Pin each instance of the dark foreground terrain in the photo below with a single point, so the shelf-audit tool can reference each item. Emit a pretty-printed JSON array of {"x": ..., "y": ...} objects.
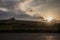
[
  {"x": 28, "y": 26},
  {"x": 29, "y": 36}
]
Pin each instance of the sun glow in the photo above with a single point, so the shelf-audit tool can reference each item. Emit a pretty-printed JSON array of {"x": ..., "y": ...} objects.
[{"x": 49, "y": 19}]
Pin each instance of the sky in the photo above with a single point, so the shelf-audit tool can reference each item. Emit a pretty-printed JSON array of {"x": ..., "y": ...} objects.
[{"x": 29, "y": 9}]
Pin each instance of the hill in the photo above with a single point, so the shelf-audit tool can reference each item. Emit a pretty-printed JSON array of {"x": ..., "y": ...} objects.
[{"x": 12, "y": 24}]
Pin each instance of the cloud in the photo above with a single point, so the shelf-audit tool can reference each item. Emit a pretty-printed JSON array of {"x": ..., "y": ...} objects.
[
  {"x": 41, "y": 7},
  {"x": 4, "y": 9},
  {"x": 28, "y": 5},
  {"x": 6, "y": 15},
  {"x": 24, "y": 7}
]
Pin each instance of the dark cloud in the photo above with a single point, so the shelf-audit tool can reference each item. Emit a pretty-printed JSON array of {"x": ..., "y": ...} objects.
[
  {"x": 7, "y": 4},
  {"x": 6, "y": 15},
  {"x": 24, "y": 17}
]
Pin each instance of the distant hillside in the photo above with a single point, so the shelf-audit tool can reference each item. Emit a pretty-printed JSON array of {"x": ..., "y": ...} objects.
[{"x": 12, "y": 24}]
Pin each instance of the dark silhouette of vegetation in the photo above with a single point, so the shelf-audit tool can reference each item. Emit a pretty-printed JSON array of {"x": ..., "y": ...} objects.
[{"x": 13, "y": 24}]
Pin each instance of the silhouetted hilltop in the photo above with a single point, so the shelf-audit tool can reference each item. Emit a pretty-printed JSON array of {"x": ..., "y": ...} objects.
[
  {"x": 13, "y": 20},
  {"x": 13, "y": 24}
]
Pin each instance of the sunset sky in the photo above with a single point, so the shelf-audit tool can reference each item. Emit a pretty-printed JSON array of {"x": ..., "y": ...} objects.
[{"x": 20, "y": 9}]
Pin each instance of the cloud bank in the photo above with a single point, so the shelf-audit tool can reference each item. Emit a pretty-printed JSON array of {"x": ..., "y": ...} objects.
[{"x": 32, "y": 8}]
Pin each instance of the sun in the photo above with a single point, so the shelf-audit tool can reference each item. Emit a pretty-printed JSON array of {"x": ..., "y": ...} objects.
[{"x": 49, "y": 19}]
